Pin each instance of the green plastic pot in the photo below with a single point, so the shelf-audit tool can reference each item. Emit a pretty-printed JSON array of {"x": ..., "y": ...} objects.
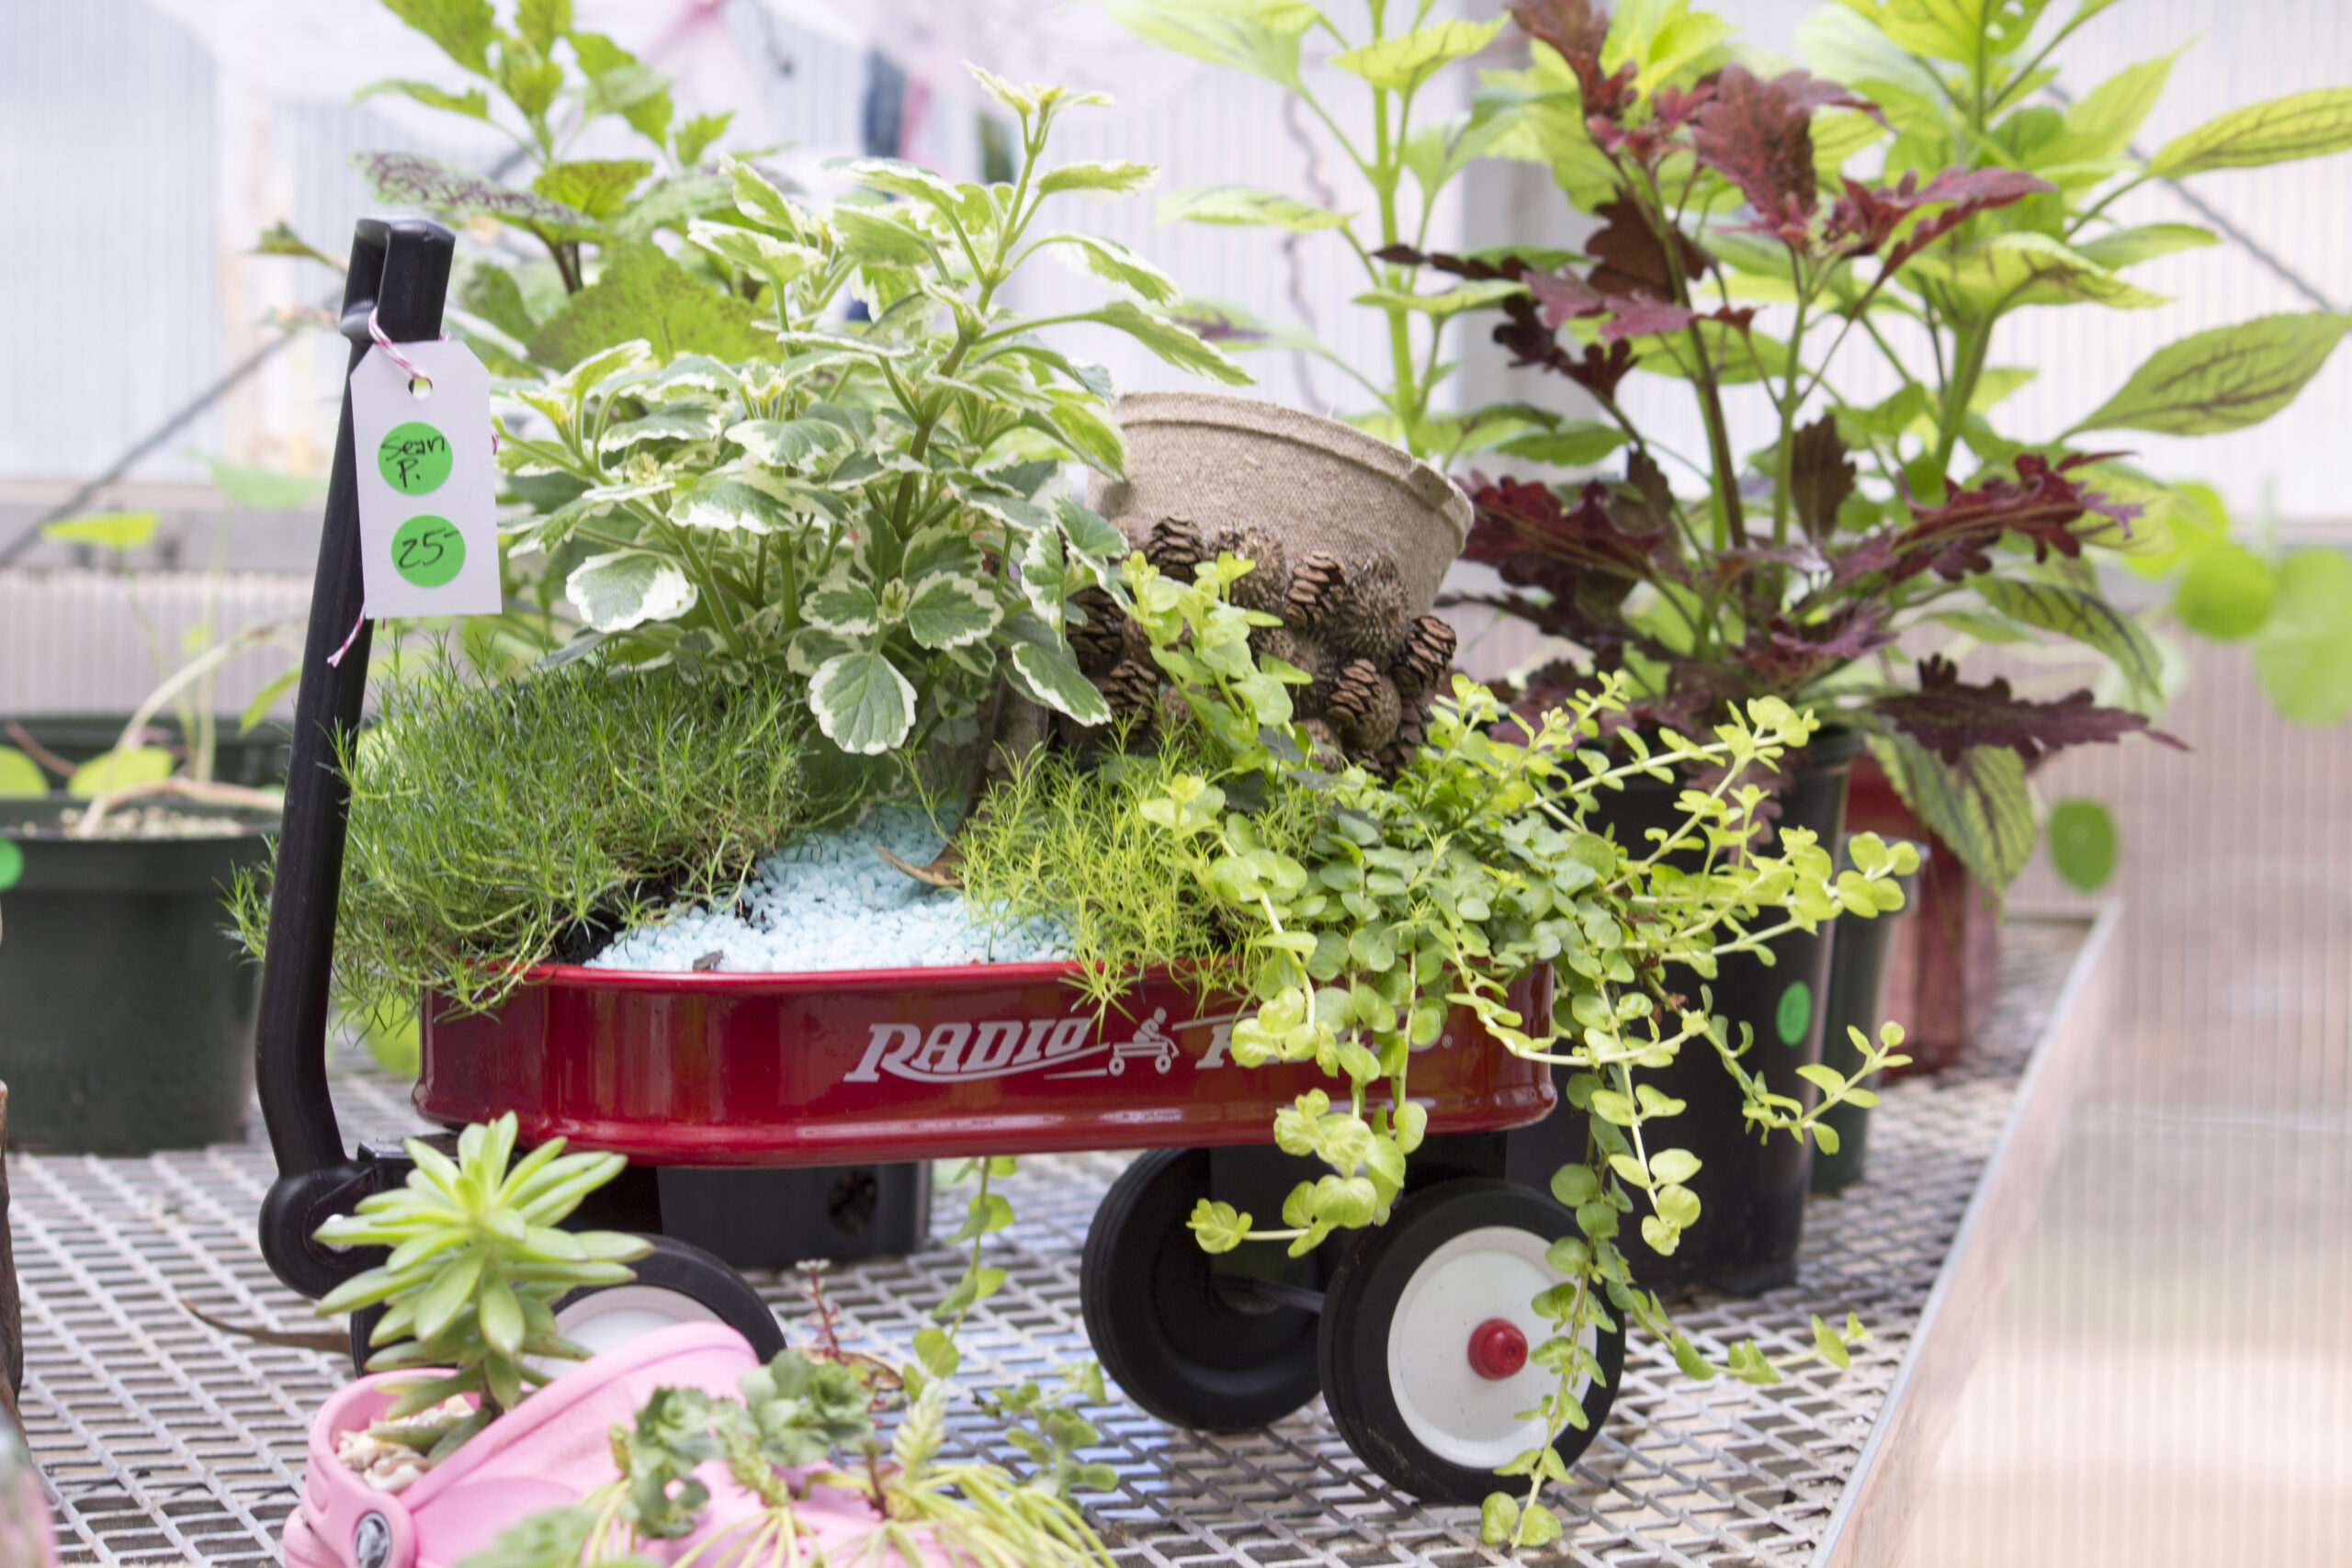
[{"x": 126, "y": 1008}]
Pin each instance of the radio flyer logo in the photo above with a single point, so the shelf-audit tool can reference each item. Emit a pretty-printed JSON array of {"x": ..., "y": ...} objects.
[{"x": 1053, "y": 1047}]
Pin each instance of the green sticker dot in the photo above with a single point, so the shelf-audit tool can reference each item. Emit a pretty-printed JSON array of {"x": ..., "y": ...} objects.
[
  {"x": 428, "y": 550},
  {"x": 414, "y": 457},
  {"x": 12, "y": 863},
  {"x": 1794, "y": 1014}
]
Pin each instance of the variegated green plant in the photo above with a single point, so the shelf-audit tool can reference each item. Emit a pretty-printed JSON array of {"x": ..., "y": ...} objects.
[
  {"x": 856, "y": 500},
  {"x": 476, "y": 1263}
]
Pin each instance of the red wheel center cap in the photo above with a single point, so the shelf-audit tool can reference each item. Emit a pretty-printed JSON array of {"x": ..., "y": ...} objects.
[{"x": 1497, "y": 1349}]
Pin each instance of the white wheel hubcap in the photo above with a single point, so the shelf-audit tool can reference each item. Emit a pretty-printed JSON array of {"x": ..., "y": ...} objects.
[
  {"x": 606, "y": 1320},
  {"x": 1493, "y": 1272}
]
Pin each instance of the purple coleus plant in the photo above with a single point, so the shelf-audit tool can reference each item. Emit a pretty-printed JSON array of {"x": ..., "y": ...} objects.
[{"x": 1795, "y": 574}]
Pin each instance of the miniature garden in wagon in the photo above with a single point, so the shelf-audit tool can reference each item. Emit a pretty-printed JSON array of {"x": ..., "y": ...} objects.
[{"x": 780, "y": 739}]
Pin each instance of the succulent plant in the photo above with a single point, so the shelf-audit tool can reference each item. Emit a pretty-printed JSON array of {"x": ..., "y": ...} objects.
[{"x": 476, "y": 1266}]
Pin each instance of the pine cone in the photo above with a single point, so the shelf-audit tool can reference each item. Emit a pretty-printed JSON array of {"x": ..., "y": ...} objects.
[
  {"x": 1426, "y": 656},
  {"x": 1175, "y": 548},
  {"x": 1100, "y": 641},
  {"x": 1315, "y": 585},
  {"x": 1132, "y": 686},
  {"x": 1135, "y": 640},
  {"x": 1368, "y": 621},
  {"x": 1328, "y": 754},
  {"x": 1364, "y": 706},
  {"x": 1260, "y": 588},
  {"x": 1412, "y": 731}
]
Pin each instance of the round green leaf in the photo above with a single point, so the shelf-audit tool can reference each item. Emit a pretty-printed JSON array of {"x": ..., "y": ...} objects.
[
  {"x": 20, "y": 774},
  {"x": 2083, "y": 843},
  {"x": 862, "y": 703},
  {"x": 2225, "y": 593},
  {"x": 120, "y": 769},
  {"x": 2303, "y": 657}
]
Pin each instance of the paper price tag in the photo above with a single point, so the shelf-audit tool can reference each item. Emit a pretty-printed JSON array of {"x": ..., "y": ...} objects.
[{"x": 428, "y": 522}]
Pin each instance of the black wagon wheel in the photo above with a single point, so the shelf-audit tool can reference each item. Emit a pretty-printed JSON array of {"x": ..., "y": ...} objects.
[
  {"x": 1190, "y": 1349},
  {"x": 1427, "y": 1326},
  {"x": 676, "y": 1282}
]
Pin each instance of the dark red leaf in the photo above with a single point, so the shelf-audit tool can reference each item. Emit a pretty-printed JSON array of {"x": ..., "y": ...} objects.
[
  {"x": 1866, "y": 218},
  {"x": 1577, "y": 29},
  {"x": 1632, "y": 257},
  {"x": 1513, "y": 267},
  {"x": 1525, "y": 532},
  {"x": 1820, "y": 477},
  {"x": 1565, "y": 296},
  {"x": 2041, "y": 503},
  {"x": 1948, "y": 716},
  {"x": 1758, "y": 135},
  {"x": 1643, "y": 315},
  {"x": 1788, "y": 655}
]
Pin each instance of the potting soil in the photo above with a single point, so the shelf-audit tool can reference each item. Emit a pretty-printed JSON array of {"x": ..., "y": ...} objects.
[{"x": 832, "y": 902}]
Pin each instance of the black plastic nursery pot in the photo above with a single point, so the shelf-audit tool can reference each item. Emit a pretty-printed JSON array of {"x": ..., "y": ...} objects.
[
  {"x": 1751, "y": 1189},
  {"x": 257, "y": 759},
  {"x": 1861, "y": 965},
  {"x": 126, "y": 1009}
]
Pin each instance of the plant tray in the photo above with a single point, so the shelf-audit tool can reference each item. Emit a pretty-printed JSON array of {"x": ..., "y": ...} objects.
[{"x": 846, "y": 1067}]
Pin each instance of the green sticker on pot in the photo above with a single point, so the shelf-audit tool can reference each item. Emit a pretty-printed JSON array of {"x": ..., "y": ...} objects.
[
  {"x": 12, "y": 863},
  {"x": 414, "y": 457},
  {"x": 428, "y": 550},
  {"x": 1795, "y": 1015}
]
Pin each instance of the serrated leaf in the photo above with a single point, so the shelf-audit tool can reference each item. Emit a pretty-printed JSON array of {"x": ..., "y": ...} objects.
[
  {"x": 2129, "y": 247},
  {"x": 410, "y": 179},
  {"x": 876, "y": 238},
  {"x": 677, "y": 423},
  {"x": 2023, "y": 267},
  {"x": 1469, "y": 295},
  {"x": 862, "y": 703},
  {"x": 622, "y": 589},
  {"x": 1078, "y": 417},
  {"x": 1114, "y": 263},
  {"x": 1099, "y": 179},
  {"x": 463, "y": 28},
  {"x": 843, "y": 606},
  {"x": 597, "y": 186},
  {"x": 1981, "y": 807},
  {"x": 787, "y": 443},
  {"x": 643, "y": 295},
  {"x": 721, "y": 503},
  {"x": 952, "y": 610},
  {"x": 1175, "y": 345},
  {"x": 1575, "y": 444},
  {"x": 1246, "y": 205},
  {"x": 1403, "y": 62},
  {"x": 674, "y": 200},
  {"x": 1050, "y": 677},
  {"x": 474, "y": 102},
  {"x": 2302, "y": 125},
  {"x": 762, "y": 254},
  {"x": 1256, "y": 36},
  {"x": 2088, "y": 618},
  {"x": 2223, "y": 379}
]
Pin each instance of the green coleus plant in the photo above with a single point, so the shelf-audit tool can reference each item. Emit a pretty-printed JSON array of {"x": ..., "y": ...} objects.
[
  {"x": 872, "y": 501},
  {"x": 478, "y": 1261},
  {"x": 1755, "y": 236},
  {"x": 1445, "y": 888}
]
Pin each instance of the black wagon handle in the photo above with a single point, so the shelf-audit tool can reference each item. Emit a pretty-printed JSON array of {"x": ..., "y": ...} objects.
[{"x": 399, "y": 274}]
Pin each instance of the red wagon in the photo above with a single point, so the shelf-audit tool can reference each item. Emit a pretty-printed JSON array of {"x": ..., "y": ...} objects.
[{"x": 1418, "y": 1332}]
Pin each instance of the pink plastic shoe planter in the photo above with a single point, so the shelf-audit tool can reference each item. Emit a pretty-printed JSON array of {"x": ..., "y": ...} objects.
[{"x": 549, "y": 1453}]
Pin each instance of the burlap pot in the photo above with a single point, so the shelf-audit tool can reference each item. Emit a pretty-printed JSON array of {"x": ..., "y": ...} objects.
[{"x": 1312, "y": 483}]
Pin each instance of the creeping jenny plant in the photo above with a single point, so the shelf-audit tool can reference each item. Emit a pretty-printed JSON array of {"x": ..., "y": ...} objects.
[{"x": 1465, "y": 873}]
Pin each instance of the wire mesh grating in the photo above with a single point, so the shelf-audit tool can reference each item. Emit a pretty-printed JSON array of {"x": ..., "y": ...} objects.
[{"x": 167, "y": 1443}]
